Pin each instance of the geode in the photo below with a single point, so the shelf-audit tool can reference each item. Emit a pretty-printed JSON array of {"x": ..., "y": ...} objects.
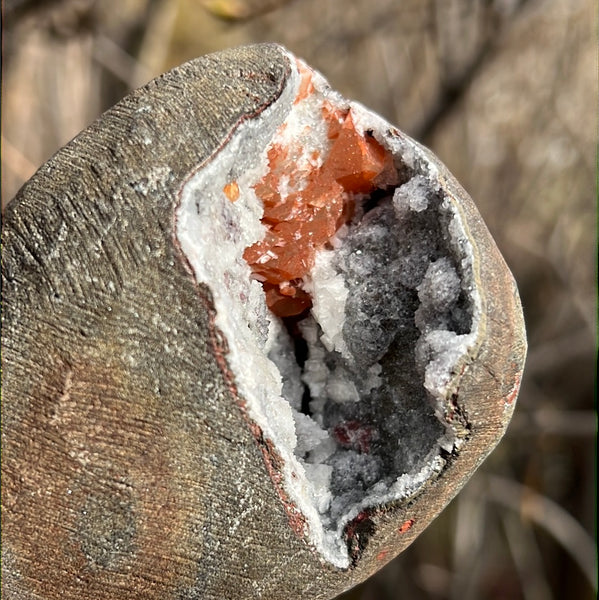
[{"x": 255, "y": 339}]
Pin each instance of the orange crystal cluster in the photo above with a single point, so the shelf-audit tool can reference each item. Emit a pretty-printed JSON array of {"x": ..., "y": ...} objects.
[{"x": 304, "y": 209}]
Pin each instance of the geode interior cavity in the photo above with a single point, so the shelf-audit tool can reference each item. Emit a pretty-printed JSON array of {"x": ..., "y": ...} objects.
[{"x": 343, "y": 282}]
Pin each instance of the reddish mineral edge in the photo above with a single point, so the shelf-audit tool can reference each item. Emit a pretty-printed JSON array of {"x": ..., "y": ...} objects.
[{"x": 303, "y": 221}]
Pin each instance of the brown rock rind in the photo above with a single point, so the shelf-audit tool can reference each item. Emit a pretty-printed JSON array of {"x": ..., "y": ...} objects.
[{"x": 129, "y": 470}]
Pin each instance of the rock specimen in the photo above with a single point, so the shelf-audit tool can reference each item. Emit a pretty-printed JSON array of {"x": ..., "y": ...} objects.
[{"x": 255, "y": 339}]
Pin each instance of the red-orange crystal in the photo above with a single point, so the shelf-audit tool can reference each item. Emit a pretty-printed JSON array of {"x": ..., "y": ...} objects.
[
  {"x": 313, "y": 205},
  {"x": 231, "y": 191},
  {"x": 306, "y": 86}
]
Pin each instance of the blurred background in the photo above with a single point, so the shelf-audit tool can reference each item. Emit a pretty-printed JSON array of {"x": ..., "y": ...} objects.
[{"x": 505, "y": 93}]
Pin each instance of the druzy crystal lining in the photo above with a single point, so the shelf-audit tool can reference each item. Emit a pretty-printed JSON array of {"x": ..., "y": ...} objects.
[{"x": 342, "y": 282}]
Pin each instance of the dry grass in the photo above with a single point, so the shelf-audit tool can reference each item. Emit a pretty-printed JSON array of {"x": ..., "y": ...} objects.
[{"x": 504, "y": 91}]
